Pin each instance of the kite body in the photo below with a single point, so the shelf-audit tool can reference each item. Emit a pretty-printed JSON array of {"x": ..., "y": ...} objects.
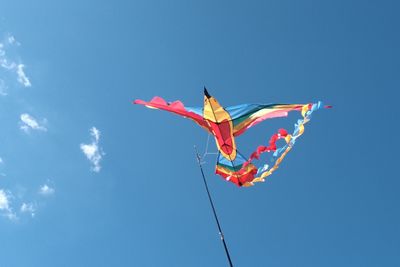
[{"x": 227, "y": 123}]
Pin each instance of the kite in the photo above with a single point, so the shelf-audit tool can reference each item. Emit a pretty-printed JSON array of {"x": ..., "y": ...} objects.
[{"x": 226, "y": 123}]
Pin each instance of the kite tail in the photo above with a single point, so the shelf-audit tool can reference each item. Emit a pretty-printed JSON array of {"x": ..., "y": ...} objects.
[{"x": 281, "y": 152}]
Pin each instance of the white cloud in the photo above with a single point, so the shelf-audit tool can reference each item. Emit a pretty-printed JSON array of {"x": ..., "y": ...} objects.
[
  {"x": 5, "y": 208},
  {"x": 22, "y": 77},
  {"x": 2, "y": 163},
  {"x": 92, "y": 151},
  {"x": 4, "y": 60},
  {"x": 3, "y": 88},
  {"x": 11, "y": 215},
  {"x": 8, "y": 65},
  {"x": 11, "y": 40},
  {"x": 30, "y": 123},
  {"x": 2, "y": 52},
  {"x": 10, "y": 61},
  {"x": 21, "y": 206},
  {"x": 95, "y": 133},
  {"x": 4, "y": 203},
  {"x": 46, "y": 190},
  {"x": 28, "y": 208}
]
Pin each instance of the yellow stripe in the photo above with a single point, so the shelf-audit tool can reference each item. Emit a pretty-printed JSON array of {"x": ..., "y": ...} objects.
[
  {"x": 227, "y": 171},
  {"x": 214, "y": 112}
]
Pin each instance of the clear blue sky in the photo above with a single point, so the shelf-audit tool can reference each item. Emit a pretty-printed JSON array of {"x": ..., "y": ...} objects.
[{"x": 334, "y": 201}]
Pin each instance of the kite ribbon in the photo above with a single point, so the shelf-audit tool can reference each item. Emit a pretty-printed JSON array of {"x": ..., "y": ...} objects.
[{"x": 290, "y": 140}]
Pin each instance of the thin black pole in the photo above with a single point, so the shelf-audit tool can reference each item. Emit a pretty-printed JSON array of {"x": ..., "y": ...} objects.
[{"x": 221, "y": 234}]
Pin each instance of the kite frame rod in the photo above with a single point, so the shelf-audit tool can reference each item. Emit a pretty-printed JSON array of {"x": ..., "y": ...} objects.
[{"x": 221, "y": 234}]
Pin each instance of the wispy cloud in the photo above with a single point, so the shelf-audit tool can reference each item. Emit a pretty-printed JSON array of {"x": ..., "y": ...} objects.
[
  {"x": 11, "y": 40},
  {"x": 10, "y": 63},
  {"x": 2, "y": 174},
  {"x": 28, "y": 123},
  {"x": 92, "y": 151},
  {"x": 28, "y": 208},
  {"x": 14, "y": 205},
  {"x": 5, "y": 208},
  {"x": 4, "y": 204},
  {"x": 22, "y": 77},
  {"x": 3, "y": 88},
  {"x": 5, "y": 62},
  {"x": 46, "y": 190}
]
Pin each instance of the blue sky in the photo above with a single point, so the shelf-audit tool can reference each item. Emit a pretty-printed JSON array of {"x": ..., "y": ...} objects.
[{"x": 70, "y": 69}]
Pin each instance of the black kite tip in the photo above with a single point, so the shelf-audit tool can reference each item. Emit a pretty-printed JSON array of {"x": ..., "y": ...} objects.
[{"x": 206, "y": 92}]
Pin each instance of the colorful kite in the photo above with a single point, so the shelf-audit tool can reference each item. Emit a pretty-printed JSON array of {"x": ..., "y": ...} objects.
[{"x": 227, "y": 123}]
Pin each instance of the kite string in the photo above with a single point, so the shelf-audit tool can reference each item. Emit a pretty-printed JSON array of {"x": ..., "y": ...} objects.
[
  {"x": 206, "y": 153},
  {"x": 208, "y": 140},
  {"x": 221, "y": 234}
]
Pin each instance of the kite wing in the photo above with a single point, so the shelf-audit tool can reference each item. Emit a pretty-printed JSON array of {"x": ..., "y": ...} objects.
[
  {"x": 246, "y": 116},
  {"x": 176, "y": 107}
]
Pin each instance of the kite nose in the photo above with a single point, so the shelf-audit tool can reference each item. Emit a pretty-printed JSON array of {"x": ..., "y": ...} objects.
[{"x": 206, "y": 92}]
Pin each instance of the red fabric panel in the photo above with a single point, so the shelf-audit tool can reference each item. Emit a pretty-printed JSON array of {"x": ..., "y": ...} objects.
[{"x": 222, "y": 133}]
